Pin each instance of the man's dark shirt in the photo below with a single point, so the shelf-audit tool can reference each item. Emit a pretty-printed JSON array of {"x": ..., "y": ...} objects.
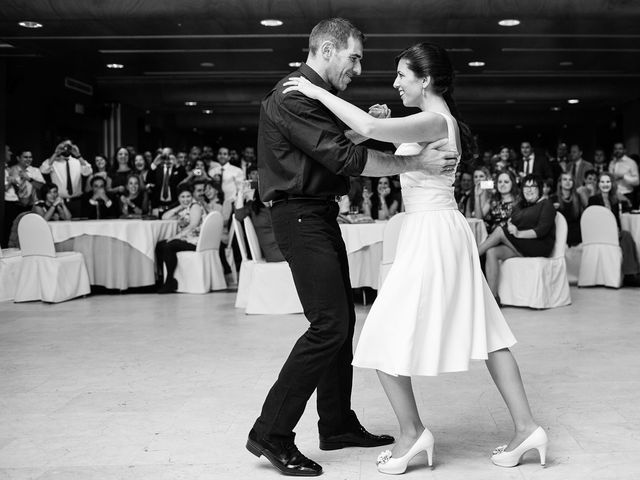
[{"x": 302, "y": 150}]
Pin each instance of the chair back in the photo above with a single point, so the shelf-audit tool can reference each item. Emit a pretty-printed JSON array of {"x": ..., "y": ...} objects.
[
  {"x": 210, "y": 232},
  {"x": 238, "y": 231},
  {"x": 35, "y": 236},
  {"x": 252, "y": 238},
  {"x": 598, "y": 226},
  {"x": 390, "y": 238},
  {"x": 562, "y": 230}
]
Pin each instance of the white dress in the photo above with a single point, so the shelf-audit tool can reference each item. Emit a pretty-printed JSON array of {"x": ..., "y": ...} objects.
[{"x": 434, "y": 312}]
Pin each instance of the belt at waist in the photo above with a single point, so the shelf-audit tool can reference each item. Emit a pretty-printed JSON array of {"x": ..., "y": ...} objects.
[{"x": 302, "y": 198}]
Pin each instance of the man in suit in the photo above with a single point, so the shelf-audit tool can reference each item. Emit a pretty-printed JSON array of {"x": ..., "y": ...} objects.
[
  {"x": 532, "y": 163},
  {"x": 578, "y": 165},
  {"x": 167, "y": 175}
]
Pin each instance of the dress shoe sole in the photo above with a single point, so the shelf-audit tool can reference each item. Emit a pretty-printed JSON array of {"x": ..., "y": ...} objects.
[
  {"x": 258, "y": 451},
  {"x": 338, "y": 445}
]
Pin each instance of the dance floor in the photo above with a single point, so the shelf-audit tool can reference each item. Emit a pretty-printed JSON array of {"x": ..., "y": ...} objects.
[{"x": 167, "y": 387}]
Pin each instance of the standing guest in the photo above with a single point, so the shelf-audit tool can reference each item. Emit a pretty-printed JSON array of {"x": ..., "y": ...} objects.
[
  {"x": 165, "y": 177},
  {"x": 99, "y": 170},
  {"x": 194, "y": 153},
  {"x": 52, "y": 207},
  {"x": 533, "y": 164},
  {"x": 607, "y": 196},
  {"x": 66, "y": 168},
  {"x": 382, "y": 204},
  {"x": 247, "y": 159},
  {"x": 529, "y": 233},
  {"x": 25, "y": 159},
  {"x": 600, "y": 161},
  {"x": 305, "y": 160},
  {"x": 98, "y": 204},
  {"x": 589, "y": 187},
  {"x": 481, "y": 193},
  {"x": 135, "y": 200},
  {"x": 121, "y": 171},
  {"x": 199, "y": 172},
  {"x": 207, "y": 155},
  {"x": 578, "y": 165},
  {"x": 181, "y": 159},
  {"x": 504, "y": 198},
  {"x": 625, "y": 172},
  {"x": 234, "y": 158},
  {"x": 148, "y": 157},
  {"x": 13, "y": 207},
  {"x": 230, "y": 175},
  {"x": 561, "y": 163},
  {"x": 189, "y": 214},
  {"x": 141, "y": 168},
  {"x": 567, "y": 201},
  {"x": 504, "y": 161}
]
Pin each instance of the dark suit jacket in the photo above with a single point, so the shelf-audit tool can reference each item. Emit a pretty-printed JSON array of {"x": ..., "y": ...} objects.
[
  {"x": 101, "y": 210},
  {"x": 177, "y": 174},
  {"x": 541, "y": 166}
]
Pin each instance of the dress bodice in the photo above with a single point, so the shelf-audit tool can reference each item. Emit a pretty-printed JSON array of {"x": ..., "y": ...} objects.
[{"x": 422, "y": 192}]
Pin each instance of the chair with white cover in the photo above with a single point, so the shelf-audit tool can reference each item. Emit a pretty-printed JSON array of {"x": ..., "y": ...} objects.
[
  {"x": 537, "y": 282},
  {"x": 200, "y": 271},
  {"x": 10, "y": 261},
  {"x": 45, "y": 274},
  {"x": 264, "y": 287},
  {"x": 389, "y": 246},
  {"x": 601, "y": 262}
]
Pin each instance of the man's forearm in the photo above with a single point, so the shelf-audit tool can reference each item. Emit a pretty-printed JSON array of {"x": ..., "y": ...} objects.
[{"x": 383, "y": 164}]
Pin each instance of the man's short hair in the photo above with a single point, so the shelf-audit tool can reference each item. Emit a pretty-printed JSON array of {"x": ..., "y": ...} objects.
[
  {"x": 590, "y": 172},
  {"x": 336, "y": 30}
]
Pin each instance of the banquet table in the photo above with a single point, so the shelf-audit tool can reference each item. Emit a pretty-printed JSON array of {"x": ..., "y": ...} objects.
[
  {"x": 631, "y": 223},
  {"x": 119, "y": 254},
  {"x": 363, "y": 242}
]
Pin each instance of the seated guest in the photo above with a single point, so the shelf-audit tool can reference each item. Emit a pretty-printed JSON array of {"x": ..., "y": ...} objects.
[
  {"x": 567, "y": 201},
  {"x": 481, "y": 196},
  {"x": 607, "y": 196},
  {"x": 504, "y": 161},
  {"x": 141, "y": 168},
  {"x": 97, "y": 203},
  {"x": 466, "y": 197},
  {"x": 122, "y": 169},
  {"x": 248, "y": 204},
  {"x": 189, "y": 214},
  {"x": 51, "y": 207},
  {"x": 99, "y": 170},
  {"x": 529, "y": 233},
  {"x": 213, "y": 198},
  {"x": 135, "y": 201},
  {"x": 352, "y": 202},
  {"x": 504, "y": 198},
  {"x": 588, "y": 189},
  {"x": 382, "y": 204},
  {"x": 547, "y": 188}
]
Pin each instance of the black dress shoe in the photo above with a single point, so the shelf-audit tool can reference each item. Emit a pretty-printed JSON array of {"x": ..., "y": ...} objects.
[
  {"x": 284, "y": 455},
  {"x": 170, "y": 286},
  {"x": 356, "y": 437}
]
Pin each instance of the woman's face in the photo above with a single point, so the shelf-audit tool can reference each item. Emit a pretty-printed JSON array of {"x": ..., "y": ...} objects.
[
  {"x": 605, "y": 184},
  {"x": 210, "y": 192},
  {"x": 52, "y": 195},
  {"x": 185, "y": 198},
  {"x": 408, "y": 85},
  {"x": 133, "y": 185},
  {"x": 566, "y": 182},
  {"x": 139, "y": 163},
  {"x": 200, "y": 165},
  {"x": 253, "y": 176},
  {"x": 591, "y": 180},
  {"x": 123, "y": 156},
  {"x": 383, "y": 185},
  {"x": 479, "y": 176},
  {"x": 504, "y": 184},
  {"x": 504, "y": 154},
  {"x": 101, "y": 162},
  {"x": 531, "y": 192}
]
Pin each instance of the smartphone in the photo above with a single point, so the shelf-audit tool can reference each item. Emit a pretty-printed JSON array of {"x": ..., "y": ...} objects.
[{"x": 486, "y": 184}]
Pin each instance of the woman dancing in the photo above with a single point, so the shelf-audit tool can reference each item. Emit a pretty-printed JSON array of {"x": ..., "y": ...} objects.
[{"x": 435, "y": 311}]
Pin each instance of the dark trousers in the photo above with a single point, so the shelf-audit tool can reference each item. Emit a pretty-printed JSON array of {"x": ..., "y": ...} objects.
[
  {"x": 309, "y": 238},
  {"x": 166, "y": 253}
]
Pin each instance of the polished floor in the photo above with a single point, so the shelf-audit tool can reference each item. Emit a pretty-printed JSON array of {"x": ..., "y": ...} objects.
[{"x": 167, "y": 387}]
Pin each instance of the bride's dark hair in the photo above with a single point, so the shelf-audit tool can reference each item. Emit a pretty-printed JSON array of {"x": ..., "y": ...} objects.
[{"x": 431, "y": 60}]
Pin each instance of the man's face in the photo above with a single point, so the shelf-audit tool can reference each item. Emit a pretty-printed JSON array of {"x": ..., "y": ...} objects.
[
  {"x": 233, "y": 155},
  {"x": 344, "y": 64},
  {"x": 576, "y": 153},
  {"x": 25, "y": 159},
  {"x": 466, "y": 182},
  {"x": 525, "y": 149},
  {"x": 194, "y": 153},
  {"x": 618, "y": 150},
  {"x": 181, "y": 158},
  {"x": 223, "y": 155},
  {"x": 207, "y": 152},
  {"x": 561, "y": 150},
  {"x": 249, "y": 154},
  {"x": 198, "y": 192},
  {"x": 598, "y": 156}
]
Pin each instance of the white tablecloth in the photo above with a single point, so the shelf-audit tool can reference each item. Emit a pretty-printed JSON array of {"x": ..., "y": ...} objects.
[
  {"x": 119, "y": 254},
  {"x": 10, "y": 261},
  {"x": 631, "y": 223}
]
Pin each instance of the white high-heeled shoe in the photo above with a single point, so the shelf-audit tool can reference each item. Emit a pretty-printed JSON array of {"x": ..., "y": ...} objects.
[
  {"x": 397, "y": 466},
  {"x": 537, "y": 440}
]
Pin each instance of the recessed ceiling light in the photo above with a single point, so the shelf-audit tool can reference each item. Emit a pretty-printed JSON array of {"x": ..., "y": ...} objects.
[
  {"x": 243, "y": 129},
  {"x": 30, "y": 24},
  {"x": 206, "y": 64},
  {"x": 207, "y": 111},
  {"x": 115, "y": 65},
  {"x": 555, "y": 109},
  {"x": 295, "y": 64},
  {"x": 271, "y": 22},
  {"x": 509, "y": 22},
  {"x": 476, "y": 64},
  {"x": 518, "y": 127},
  {"x": 191, "y": 104},
  {"x": 509, "y": 101},
  {"x": 566, "y": 64},
  {"x": 573, "y": 101}
]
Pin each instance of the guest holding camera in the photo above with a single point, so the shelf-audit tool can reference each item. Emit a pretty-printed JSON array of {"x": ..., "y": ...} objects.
[
  {"x": 135, "y": 201},
  {"x": 121, "y": 171},
  {"x": 67, "y": 167},
  {"x": 482, "y": 188},
  {"x": 51, "y": 207},
  {"x": 166, "y": 176},
  {"x": 589, "y": 187},
  {"x": 98, "y": 204}
]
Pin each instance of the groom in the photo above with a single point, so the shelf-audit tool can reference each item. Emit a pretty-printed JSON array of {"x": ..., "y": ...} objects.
[{"x": 304, "y": 162}]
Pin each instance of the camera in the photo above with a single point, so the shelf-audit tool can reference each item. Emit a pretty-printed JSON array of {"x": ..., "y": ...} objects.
[
  {"x": 66, "y": 150},
  {"x": 197, "y": 172},
  {"x": 486, "y": 184}
]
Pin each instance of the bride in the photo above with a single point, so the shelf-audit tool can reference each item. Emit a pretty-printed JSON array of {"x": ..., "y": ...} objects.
[{"x": 435, "y": 311}]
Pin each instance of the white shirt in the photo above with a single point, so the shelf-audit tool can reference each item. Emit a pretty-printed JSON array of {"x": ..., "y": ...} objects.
[
  {"x": 230, "y": 175},
  {"x": 10, "y": 194},
  {"x": 625, "y": 171},
  {"x": 528, "y": 164},
  {"x": 34, "y": 174},
  {"x": 58, "y": 171}
]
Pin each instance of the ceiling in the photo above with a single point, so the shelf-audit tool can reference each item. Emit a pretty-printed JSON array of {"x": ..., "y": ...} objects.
[{"x": 585, "y": 49}]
